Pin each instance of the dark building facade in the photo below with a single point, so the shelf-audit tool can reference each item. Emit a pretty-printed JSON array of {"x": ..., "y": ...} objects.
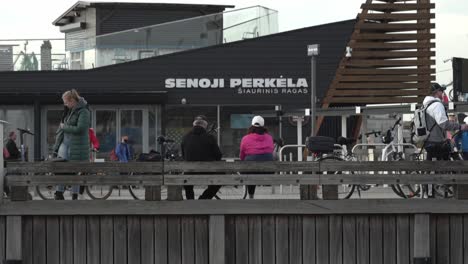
[{"x": 229, "y": 83}]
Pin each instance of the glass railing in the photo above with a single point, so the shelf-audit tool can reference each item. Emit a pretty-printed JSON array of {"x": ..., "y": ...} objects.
[{"x": 140, "y": 43}]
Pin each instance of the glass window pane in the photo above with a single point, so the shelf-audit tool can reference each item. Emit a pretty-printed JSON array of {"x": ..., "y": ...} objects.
[
  {"x": 152, "y": 129},
  {"x": 131, "y": 123},
  {"x": 106, "y": 131}
]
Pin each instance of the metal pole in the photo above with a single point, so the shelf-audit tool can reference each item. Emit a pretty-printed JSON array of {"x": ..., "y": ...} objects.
[
  {"x": 313, "y": 85},
  {"x": 313, "y": 51},
  {"x": 299, "y": 138},
  {"x": 2, "y": 168}
]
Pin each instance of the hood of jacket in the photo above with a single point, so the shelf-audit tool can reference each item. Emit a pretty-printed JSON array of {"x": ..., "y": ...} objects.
[
  {"x": 429, "y": 98},
  {"x": 198, "y": 130}
]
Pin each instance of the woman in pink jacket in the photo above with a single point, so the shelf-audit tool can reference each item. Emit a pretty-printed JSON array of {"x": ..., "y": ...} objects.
[{"x": 257, "y": 145}]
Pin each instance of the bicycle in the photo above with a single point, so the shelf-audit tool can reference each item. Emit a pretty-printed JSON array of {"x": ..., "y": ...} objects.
[{"x": 326, "y": 149}]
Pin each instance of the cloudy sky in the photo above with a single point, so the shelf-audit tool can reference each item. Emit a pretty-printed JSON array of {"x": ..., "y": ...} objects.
[{"x": 33, "y": 19}]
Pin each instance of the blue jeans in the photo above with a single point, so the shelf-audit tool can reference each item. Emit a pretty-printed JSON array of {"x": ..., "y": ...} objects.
[{"x": 63, "y": 153}]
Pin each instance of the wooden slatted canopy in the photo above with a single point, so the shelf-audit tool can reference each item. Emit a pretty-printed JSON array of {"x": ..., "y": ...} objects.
[{"x": 391, "y": 55}]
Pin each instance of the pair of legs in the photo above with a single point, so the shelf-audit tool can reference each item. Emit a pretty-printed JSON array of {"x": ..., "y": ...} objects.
[{"x": 208, "y": 194}]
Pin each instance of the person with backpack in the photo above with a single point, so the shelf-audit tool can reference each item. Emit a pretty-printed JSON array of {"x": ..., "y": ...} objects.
[{"x": 437, "y": 125}]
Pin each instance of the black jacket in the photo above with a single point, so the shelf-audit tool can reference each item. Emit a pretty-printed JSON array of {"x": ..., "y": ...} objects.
[
  {"x": 197, "y": 145},
  {"x": 13, "y": 150}
]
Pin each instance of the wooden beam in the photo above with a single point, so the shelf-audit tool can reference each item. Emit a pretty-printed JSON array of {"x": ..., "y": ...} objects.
[
  {"x": 32, "y": 180},
  {"x": 387, "y": 78},
  {"x": 395, "y": 17},
  {"x": 391, "y": 46},
  {"x": 217, "y": 239},
  {"x": 382, "y": 63},
  {"x": 374, "y": 100},
  {"x": 376, "y": 85},
  {"x": 392, "y": 37},
  {"x": 350, "y": 71},
  {"x": 422, "y": 239},
  {"x": 382, "y": 92},
  {"x": 14, "y": 237},
  {"x": 392, "y": 54},
  {"x": 384, "y": 27},
  {"x": 235, "y": 207},
  {"x": 396, "y": 7}
]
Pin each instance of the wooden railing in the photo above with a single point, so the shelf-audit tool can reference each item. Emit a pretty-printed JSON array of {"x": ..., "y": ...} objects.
[{"x": 174, "y": 174}]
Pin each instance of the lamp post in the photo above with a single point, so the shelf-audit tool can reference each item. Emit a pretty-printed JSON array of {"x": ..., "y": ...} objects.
[{"x": 313, "y": 51}]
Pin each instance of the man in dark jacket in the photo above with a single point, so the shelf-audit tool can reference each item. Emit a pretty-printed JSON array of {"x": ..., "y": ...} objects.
[
  {"x": 197, "y": 145},
  {"x": 15, "y": 154}
]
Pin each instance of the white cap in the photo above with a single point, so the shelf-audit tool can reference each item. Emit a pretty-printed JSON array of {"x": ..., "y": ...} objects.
[
  {"x": 258, "y": 121},
  {"x": 466, "y": 120}
]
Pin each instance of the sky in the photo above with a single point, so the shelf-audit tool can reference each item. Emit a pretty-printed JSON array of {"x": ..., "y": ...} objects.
[{"x": 21, "y": 19}]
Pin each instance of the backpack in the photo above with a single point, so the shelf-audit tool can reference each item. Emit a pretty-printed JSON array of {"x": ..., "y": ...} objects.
[
  {"x": 420, "y": 131},
  {"x": 113, "y": 156}
]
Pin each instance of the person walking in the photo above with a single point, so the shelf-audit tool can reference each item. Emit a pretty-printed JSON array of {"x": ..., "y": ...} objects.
[
  {"x": 72, "y": 137},
  {"x": 198, "y": 145},
  {"x": 438, "y": 123},
  {"x": 257, "y": 145},
  {"x": 123, "y": 150}
]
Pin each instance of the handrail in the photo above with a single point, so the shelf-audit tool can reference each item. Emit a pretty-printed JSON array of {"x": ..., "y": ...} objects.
[{"x": 280, "y": 152}]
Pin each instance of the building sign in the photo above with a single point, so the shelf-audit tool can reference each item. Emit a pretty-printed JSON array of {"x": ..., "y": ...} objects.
[{"x": 243, "y": 85}]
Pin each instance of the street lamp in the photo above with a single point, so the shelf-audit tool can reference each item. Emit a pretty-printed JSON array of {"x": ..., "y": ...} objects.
[{"x": 313, "y": 51}]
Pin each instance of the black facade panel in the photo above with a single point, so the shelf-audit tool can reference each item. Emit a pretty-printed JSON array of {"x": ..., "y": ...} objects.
[{"x": 281, "y": 55}]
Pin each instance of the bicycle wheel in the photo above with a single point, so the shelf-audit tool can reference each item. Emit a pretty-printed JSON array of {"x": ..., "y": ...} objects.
[
  {"x": 99, "y": 192},
  {"x": 232, "y": 192},
  {"x": 406, "y": 191},
  {"x": 45, "y": 192},
  {"x": 137, "y": 192},
  {"x": 345, "y": 191}
]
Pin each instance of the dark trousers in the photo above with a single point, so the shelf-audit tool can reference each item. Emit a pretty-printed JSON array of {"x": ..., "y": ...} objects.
[
  {"x": 439, "y": 150},
  {"x": 208, "y": 194}
]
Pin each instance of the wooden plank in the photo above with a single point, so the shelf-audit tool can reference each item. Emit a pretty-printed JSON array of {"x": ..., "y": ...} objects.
[
  {"x": 2, "y": 236},
  {"x": 18, "y": 238},
  {"x": 336, "y": 239},
  {"x": 396, "y": 17},
  {"x": 160, "y": 239},
  {"x": 66, "y": 239},
  {"x": 107, "y": 239},
  {"x": 392, "y": 54},
  {"x": 53, "y": 240},
  {"x": 134, "y": 239},
  {"x": 349, "y": 240},
  {"x": 394, "y": 27},
  {"x": 350, "y": 71},
  {"x": 174, "y": 250},
  {"x": 322, "y": 235},
  {"x": 153, "y": 193},
  {"x": 120, "y": 239},
  {"x": 255, "y": 239},
  {"x": 84, "y": 167},
  {"x": 216, "y": 239},
  {"x": 39, "y": 240},
  {"x": 381, "y": 92},
  {"x": 386, "y": 78},
  {"x": 362, "y": 240},
  {"x": 242, "y": 239},
  {"x": 443, "y": 239},
  {"x": 295, "y": 239},
  {"x": 93, "y": 240},
  {"x": 308, "y": 239},
  {"x": 174, "y": 192},
  {"x": 375, "y": 100},
  {"x": 268, "y": 239},
  {"x": 147, "y": 239},
  {"x": 202, "y": 240},
  {"x": 389, "y": 239},
  {"x": 249, "y": 166},
  {"x": 32, "y": 180},
  {"x": 376, "y": 239},
  {"x": 403, "y": 239},
  {"x": 390, "y": 46},
  {"x": 456, "y": 239},
  {"x": 389, "y": 63},
  {"x": 188, "y": 239},
  {"x": 392, "y": 37},
  {"x": 377, "y": 85},
  {"x": 79, "y": 239},
  {"x": 433, "y": 235},
  {"x": 281, "y": 238},
  {"x": 246, "y": 179},
  {"x": 396, "y": 7},
  {"x": 465, "y": 235}
]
